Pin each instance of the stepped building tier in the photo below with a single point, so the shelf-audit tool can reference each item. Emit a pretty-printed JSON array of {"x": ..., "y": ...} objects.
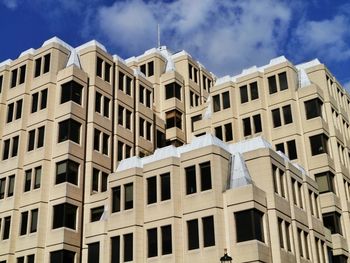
[{"x": 155, "y": 159}]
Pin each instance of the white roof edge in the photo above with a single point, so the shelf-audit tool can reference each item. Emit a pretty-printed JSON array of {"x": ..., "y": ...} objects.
[
  {"x": 308, "y": 64},
  {"x": 224, "y": 79},
  {"x": 91, "y": 43},
  {"x": 57, "y": 41},
  {"x": 117, "y": 58},
  {"x": 131, "y": 59},
  {"x": 28, "y": 51},
  {"x": 138, "y": 72},
  {"x": 181, "y": 53},
  {"x": 5, "y": 62},
  {"x": 249, "y": 145}
]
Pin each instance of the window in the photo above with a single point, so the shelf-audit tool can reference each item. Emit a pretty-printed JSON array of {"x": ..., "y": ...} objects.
[
  {"x": 195, "y": 119},
  {"x": 151, "y": 190},
  {"x": 244, "y": 94},
  {"x": 96, "y": 213},
  {"x": 128, "y": 247},
  {"x": 166, "y": 240},
  {"x": 332, "y": 222},
  {"x": 22, "y": 74},
  {"x": 218, "y": 132},
  {"x": 226, "y": 100},
  {"x": 103, "y": 67},
  {"x": 216, "y": 103},
  {"x": 28, "y": 179},
  {"x": 129, "y": 196},
  {"x": 64, "y": 215},
  {"x": 47, "y": 63},
  {"x": 141, "y": 94},
  {"x": 152, "y": 242},
  {"x": 228, "y": 132},
  {"x": 280, "y": 147},
  {"x": 14, "y": 113},
  {"x": 208, "y": 231},
  {"x": 282, "y": 77},
  {"x": 11, "y": 186},
  {"x": 67, "y": 171},
  {"x": 19, "y": 260},
  {"x": 43, "y": 102},
  {"x": 292, "y": 150},
  {"x": 97, "y": 136},
  {"x": 276, "y": 117},
  {"x": 94, "y": 252},
  {"x": 205, "y": 176},
  {"x": 338, "y": 259},
  {"x": 173, "y": 90},
  {"x": 190, "y": 180},
  {"x": 2, "y": 187},
  {"x": 165, "y": 190},
  {"x": 128, "y": 85},
  {"x": 13, "y": 78},
  {"x": 115, "y": 246},
  {"x": 40, "y": 138},
  {"x": 313, "y": 108},
  {"x": 287, "y": 114},
  {"x": 69, "y": 130},
  {"x": 62, "y": 256},
  {"x": 106, "y": 102},
  {"x": 284, "y": 234},
  {"x": 7, "y": 226},
  {"x": 38, "y": 65},
  {"x": 99, "y": 180},
  {"x": 24, "y": 223},
  {"x": 318, "y": 144},
  {"x": 272, "y": 84},
  {"x": 107, "y": 72},
  {"x": 192, "y": 234},
  {"x": 99, "y": 63},
  {"x": 71, "y": 91},
  {"x": 34, "y": 221},
  {"x": 173, "y": 119},
  {"x": 254, "y": 93},
  {"x": 98, "y": 102},
  {"x": 149, "y": 71},
  {"x": 6, "y": 149},
  {"x": 325, "y": 182},
  {"x": 116, "y": 199},
  {"x": 1, "y": 80},
  {"x": 249, "y": 225},
  {"x": 247, "y": 130},
  {"x": 257, "y": 123}
]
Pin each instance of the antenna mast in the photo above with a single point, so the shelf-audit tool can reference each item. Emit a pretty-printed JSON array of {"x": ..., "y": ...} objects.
[{"x": 158, "y": 29}]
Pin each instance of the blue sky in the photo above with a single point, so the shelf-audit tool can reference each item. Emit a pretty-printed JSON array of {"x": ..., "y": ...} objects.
[{"x": 224, "y": 35}]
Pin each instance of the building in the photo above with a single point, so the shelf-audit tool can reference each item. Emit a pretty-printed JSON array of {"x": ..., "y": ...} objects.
[{"x": 69, "y": 117}]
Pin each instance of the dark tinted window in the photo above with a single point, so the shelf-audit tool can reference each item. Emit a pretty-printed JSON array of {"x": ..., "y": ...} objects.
[
  {"x": 69, "y": 130},
  {"x": 318, "y": 144},
  {"x": 152, "y": 242},
  {"x": 19, "y": 104},
  {"x": 115, "y": 249},
  {"x": 257, "y": 123},
  {"x": 276, "y": 117},
  {"x": 35, "y": 99},
  {"x": 41, "y": 135},
  {"x": 34, "y": 221},
  {"x": 254, "y": 93},
  {"x": 166, "y": 240},
  {"x": 151, "y": 190},
  {"x": 22, "y": 74},
  {"x": 64, "y": 215},
  {"x": 244, "y": 93},
  {"x": 208, "y": 231},
  {"x": 205, "y": 176},
  {"x": 287, "y": 114},
  {"x": 226, "y": 100},
  {"x": 43, "y": 102},
  {"x": 283, "y": 81},
  {"x": 71, "y": 91},
  {"x": 272, "y": 84},
  {"x": 292, "y": 150},
  {"x": 191, "y": 180},
  {"x": 116, "y": 199},
  {"x": 62, "y": 256},
  {"x": 96, "y": 213},
  {"x": 13, "y": 78},
  {"x": 128, "y": 247},
  {"x": 165, "y": 186},
  {"x": 247, "y": 130},
  {"x": 193, "y": 236},
  {"x": 6, "y": 151},
  {"x": 24, "y": 223},
  {"x": 67, "y": 171},
  {"x": 47, "y": 59},
  {"x": 37, "y": 67},
  {"x": 31, "y": 139},
  {"x": 107, "y": 72},
  {"x": 216, "y": 103},
  {"x": 94, "y": 252},
  {"x": 7, "y": 225},
  {"x": 128, "y": 196},
  {"x": 228, "y": 132},
  {"x": 99, "y": 63},
  {"x": 98, "y": 101},
  {"x": 313, "y": 108},
  {"x": 332, "y": 222},
  {"x": 218, "y": 132},
  {"x": 249, "y": 225}
]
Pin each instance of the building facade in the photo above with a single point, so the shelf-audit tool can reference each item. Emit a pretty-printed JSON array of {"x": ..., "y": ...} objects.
[{"x": 70, "y": 116}]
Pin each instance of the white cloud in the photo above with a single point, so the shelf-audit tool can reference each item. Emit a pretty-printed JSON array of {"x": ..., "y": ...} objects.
[
  {"x": 226, "y": 36},
  {"x": 326, "y": 38},
  {"x": 11, "y": 4}
]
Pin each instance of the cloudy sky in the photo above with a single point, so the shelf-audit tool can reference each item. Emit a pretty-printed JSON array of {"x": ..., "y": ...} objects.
[{"x": 224, "y": 35}]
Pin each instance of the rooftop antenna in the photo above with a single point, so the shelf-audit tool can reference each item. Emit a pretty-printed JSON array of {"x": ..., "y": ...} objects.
[{"x": 158, "y": 30}]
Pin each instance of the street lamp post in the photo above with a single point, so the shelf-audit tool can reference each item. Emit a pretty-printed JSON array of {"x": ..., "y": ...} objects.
[{"x": 225, "y": 258}]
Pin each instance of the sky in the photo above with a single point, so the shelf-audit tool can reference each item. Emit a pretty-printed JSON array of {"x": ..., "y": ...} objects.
[{"x": 226, "y": 36}]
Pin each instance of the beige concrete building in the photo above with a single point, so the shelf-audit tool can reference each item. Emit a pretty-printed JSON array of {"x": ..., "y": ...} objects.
[{"x": 70, "y": 116}]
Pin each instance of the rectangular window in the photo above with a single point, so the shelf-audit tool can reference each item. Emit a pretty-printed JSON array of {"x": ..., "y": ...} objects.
[
  {"x": 19, "y": 104},
  {"x": 15, "y": 141},
  {"x": 205, "y": 176},
  {"x": 107, "y": 72},
  {"x": 272, "y": 84},
  {"x": 43, "y": 103},
  {"x": 254, "y": 93},
  {"x": 47, "y": 59},
  {"x": 173, "y": 90},
  {"x": 94, "y": 252},
  {"x": 37, "y": 177},
  {"x": 141, "y": 94},
  {"x": 19, "y": 260},
  {"x": 35, "y": 99},
  {"x": 6, "y": 151},
  {"x": 10, "y": 109},
  {"x": 67, "y": 171},
  {"x": 2, "y": 187},
  {"x": 7, "y": 225},
  {"x": 332, "y": 222},
  {"x": 192, "y": 234},
  {"x": 31, "y": 139},
  {"x": 98, "y": 102},
  {"x": 129, "y": 196},
  {"x": 71, "y": 91},
  {"x": 143, "y": 69},
  {"x": 24, "y": 223},
  {"x": 28, "y": 180},
  {"x": 318, "y": 144},
  {"x": 173, "y": 119},
  {"x": 97, "y": 135},
  {"x": 151, "y": 190},
  {"x": 116, "y": 199},
  {"x": 95, "y": 175},
  {"x": 226, "y": 100},
  {"x": 287, "y": 114},
  {"x": 166, "y": 240},
  {"x": 37, "y": 67},
  {"x": 257, "y": 123},
  {"x": 165, "y": 190},
  {"x": 282, "y": 77},
  {"x": 208, "y": 231},
  {"x": 105, "y": 144},
  {"x": 99, "y": 63},
  {"x": 34, "y": 221},
  {"x": 216, "y": 103},
  {"x": 106, "y": 107},
  {"x": 128, "y": 85},
  {"x": 292, "y": 150},
  {"x": 228, "y": 132},
  {"x": 121, "y": 81},
  {"x": 313, "y": 108},
  {"x": 249, "y": 225},
  {"x": 150, "y": 68},
  {"x": 247, "y": 130},
  {"x": 62, "y": 256},
  {"x": 11, "y": 186},
  {"x": 41, "y": 136},
  {"x": 128, "y": 119},
  {"x": 152, "y": 242},
  {"x": 244, "y": 93},
  {"x": 218, "y": 132},
  {"x": 115, "y": 249},
  {"x": 276, "y": 118},
  {"x": 22, "y": 74},
  {"x": 191, "y": 186},
  {"x": 69, "y": 130},
  {"x": 1, "y": 80},
  {"x": 148, "y": 98},
  {"x": 64, "y": 215},
  {"x": 128, "y": 247},
  {"x": 120, "y": 150},
  {"x": 13, "y": 78},
  {"x": 325, "y": 182},
  {"x": 96, "y": 213}
]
